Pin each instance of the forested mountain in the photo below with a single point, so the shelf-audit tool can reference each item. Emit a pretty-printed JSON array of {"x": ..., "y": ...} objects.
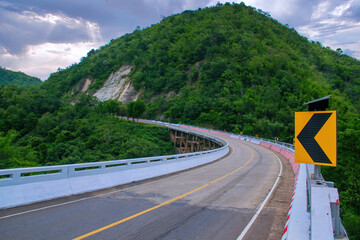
[
  {"x": 8, "y": 77},
  {"x": 233, "y": 67},
  {"x": 230, "y": 67}
]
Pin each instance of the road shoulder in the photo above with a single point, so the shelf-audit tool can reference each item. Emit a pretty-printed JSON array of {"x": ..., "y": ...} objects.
[{"x": 271, "y": 221}]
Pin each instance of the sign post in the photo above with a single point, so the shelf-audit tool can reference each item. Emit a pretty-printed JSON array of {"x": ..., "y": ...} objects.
[
  {"x": 316, "y": 144},
  {"x": 315, "y": 136}
]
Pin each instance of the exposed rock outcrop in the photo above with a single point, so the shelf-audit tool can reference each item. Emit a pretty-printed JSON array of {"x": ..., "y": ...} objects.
[
  {"x": 84, "y": 85},
  {"x": 119, "y": 87}
]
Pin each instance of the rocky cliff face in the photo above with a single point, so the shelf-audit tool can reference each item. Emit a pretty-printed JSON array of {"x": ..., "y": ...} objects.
[
  {"x": 118, "y": 87},
  {"x": 84, "y": 85}
]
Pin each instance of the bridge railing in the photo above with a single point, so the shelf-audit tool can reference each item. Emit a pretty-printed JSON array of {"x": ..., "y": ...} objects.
[
  {"x": 16, "y": 176},
  {"x": 314, "y": 212},
  {"x": 21, "y": 186}
]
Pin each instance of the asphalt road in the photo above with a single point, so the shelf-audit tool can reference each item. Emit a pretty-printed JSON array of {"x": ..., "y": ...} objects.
[{"x": 215, "y": 201}]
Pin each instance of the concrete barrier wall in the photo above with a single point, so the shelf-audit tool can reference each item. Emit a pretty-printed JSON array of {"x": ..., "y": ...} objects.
[
  {"x": 264, "y": 144},
  {"x": 298, "y": 220},
  {"x": 21, "y": 186},
  {"x": 18, "y": 189},
  {"x": 314, "y": 209},
  {"x": 297, "y": 225}
]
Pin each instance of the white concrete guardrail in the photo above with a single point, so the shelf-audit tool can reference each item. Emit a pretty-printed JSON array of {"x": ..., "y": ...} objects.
[
  {"x": 28, "y": 185},
  {"x": 314, "y": 211}
]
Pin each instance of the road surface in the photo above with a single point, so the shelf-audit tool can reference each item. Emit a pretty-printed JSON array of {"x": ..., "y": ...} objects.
[{"x": 215, "y": 201}]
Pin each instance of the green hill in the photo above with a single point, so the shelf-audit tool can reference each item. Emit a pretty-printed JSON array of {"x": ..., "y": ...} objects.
[
  {"x": 231, "y": 67},
  {"x": 235, "y": 68},
  {"x": 8, "y": 77},
  {"x": 38, "y": 129}
]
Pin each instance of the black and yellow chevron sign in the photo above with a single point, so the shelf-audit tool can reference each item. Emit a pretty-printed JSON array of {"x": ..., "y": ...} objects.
[{"x": 315, "y": 138}]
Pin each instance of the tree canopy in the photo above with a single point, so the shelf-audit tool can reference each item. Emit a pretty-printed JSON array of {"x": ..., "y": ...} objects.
[
  {"x": 38, "y": 129},
  {"x": 230, "y": 67},
  {"x": 136, "y": 109},
  {"x": 8, "y": 77}
]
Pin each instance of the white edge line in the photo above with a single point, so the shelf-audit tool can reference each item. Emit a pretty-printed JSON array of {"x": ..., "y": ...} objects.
[
  {"x": 248, "y": 226},
  {"x": 78, "y": 200},
  {"x": 74, "y": 201}
]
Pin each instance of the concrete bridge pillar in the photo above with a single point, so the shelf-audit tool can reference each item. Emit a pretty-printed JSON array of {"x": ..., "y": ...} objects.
[{"x": 187, "y": 142}]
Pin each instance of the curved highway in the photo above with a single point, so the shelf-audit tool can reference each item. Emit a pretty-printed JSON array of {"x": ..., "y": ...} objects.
[{"x": 215, "y": 201}]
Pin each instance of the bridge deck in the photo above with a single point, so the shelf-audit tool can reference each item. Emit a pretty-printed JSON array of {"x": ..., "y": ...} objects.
[{"x": 203, "y": 203}]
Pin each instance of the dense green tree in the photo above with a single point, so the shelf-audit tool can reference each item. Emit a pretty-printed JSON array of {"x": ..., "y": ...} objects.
[
  {"x": 14, "y": 156},
  {"x": 230, "y": 67},
  {"x": 136, "y": 109},
  {"x": 8, "y": 77},
  {"x": 61, "y": 133},
  {"x": 112, "y": 107}
]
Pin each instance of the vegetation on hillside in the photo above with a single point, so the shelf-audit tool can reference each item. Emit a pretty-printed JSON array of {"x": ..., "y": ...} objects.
[
  {"x": 37, "y": 129},
  {"x": 8, "y": 77},
  {"x": 231, "y": 67},
  {"x": 234, "y": 68}
]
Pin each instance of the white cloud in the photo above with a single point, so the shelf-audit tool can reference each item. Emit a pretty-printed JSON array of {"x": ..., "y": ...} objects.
[
  {"x": 43, "y": 59},
  {"x": 321, "y": 10},
  {"x": 331, "y": 26},
  {"x": 341, "y": 9},
  {"x": 38, "y": 44},
  {"x": 32, "y": 17},
  {"x": 278, "y": 8},
  {"x": 18, "y": 29},
  {"x": 93, "y": 30},
  {"x": 345, "y": 35}
]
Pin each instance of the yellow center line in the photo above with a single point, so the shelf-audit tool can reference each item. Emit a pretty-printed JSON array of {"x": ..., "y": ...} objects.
[{"x": 165, "y": 203}]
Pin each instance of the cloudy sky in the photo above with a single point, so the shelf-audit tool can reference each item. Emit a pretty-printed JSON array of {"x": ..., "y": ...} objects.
[{"x": 39, "y": 36}]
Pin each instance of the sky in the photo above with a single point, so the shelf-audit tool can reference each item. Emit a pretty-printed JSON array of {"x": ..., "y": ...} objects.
[{"x": 39, "y": 36}]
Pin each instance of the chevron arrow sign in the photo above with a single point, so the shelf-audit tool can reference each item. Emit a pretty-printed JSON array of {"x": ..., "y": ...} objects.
[{"x": 315, "y": 138}]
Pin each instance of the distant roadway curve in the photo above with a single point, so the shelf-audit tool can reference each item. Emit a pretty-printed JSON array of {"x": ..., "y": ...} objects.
[{"x": 215, "y": 201}]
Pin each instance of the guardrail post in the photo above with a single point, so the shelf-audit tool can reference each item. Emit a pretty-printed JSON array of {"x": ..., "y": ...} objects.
[
  {"x": 16, "y": 174},
  {"x": 337, "y": 218},
  {"x": 317, "y": 172}
]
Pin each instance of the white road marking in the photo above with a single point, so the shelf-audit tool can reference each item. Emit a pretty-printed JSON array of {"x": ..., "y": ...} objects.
[
  {"x": 248, "y": 226},
  {"x": 82, "y": 199},
  {"x": 74, "y": 201}
]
